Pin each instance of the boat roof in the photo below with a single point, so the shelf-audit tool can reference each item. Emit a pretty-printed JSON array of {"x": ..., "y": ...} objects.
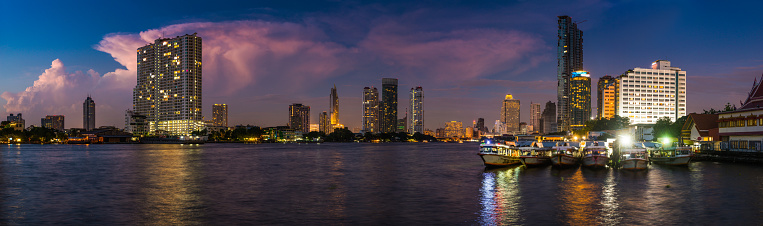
[
  {"x": 524, "y": 143},
  {"x": 647, "y": 145},
  {"x": 547, "y": 144},
  {"x": 633, "y": 150}
]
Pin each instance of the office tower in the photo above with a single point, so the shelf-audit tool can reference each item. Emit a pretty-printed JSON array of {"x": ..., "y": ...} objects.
[
  {"x": 88, "y": 114},
  {"x": 220, "y": 115},
  {"x": 548, "y": 119},
  {"x": 55, "y": 122},
  {"x": 314, "y": 127},
  {"x": 16, "y": 122},
  {"x": 510, "y": 115},
  {"x": 608, "y": 92},
  {"x": 580, "y": 99},
  {"x": 416, "y": 114},
  {"x": 168, "y": 91},
  {"x": 135, "y": 123},
  {"x": 647, "y": 94},
  {"x": 535, "y": 116},
  {"x": 402, "y": 125},
  {"x": 454, "y": 129},
  {"x": 569, "y": 56},
  {"x": 324, "y": 123},
  {"x": 481, "y": 125},
  {"x": 370, "y": 110},
  {"x": 334, "y": 108},
  {"x": 388, "y": 106},
  {"x": 299, "y": 118}
]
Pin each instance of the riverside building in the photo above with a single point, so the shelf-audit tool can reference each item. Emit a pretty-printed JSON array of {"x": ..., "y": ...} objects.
[
  {"x": 579, "y": 101},
  {"x": 370, "y": 118},
  {"x": 608, "y": 92},
  {"x": 569, "y": 56},
  {"x": 388, "y": 106},
  {"x": 416, "y": 114},
  {"x": 299, "y": 118},
  {"x": 88, "y": 114},
  {"x": 220, "y": 115},
  {"x": 510, "y": 115},
  {"x": 647, "y": 94},
  {"x": 535, "y": 116}
]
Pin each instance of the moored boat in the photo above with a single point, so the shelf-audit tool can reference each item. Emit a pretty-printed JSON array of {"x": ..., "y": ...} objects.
[
  {"x": 680, "y": 156},
  {"x": 532, "y": 154},
  {"x": 634, "y": 159},
  {"x": 499, "y": 152},
  {"x": 565, "y": 155},
  {"x": 595, "y": 155}
]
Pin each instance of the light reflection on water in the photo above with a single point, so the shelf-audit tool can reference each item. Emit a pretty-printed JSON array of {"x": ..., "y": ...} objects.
[{"x": 500, "y": 199}]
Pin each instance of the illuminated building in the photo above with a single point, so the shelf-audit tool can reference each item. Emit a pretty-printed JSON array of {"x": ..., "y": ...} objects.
[
  {"x": 135, "y": 123},
  {"x": 370, "y": 110},
  {"x": 454, "y": 129},
  {"x": 220, "y": 115},
  {"x": 16, "y": 122},
  {"x": 535, "y": 117},
  {"x": 548, "y": 119},
  {"x": 55, "y": 122},
  {"x": 388, "y": 106},
  {"x": 569, "y": 56},
  {"x": 510, "y": 115},
  {"x": 88, "y": 114},
  {"x": 314, "y": 127},
  {"x": 580, "y": 99},
  {"x": 481, "y": 125},
  {"x": 334, "y": 108},
  {"x": 416, "y": 114},
  {"x": 401, "y": 125},
  {"x": 608, "y": 92},
  {"x": 299, "y": 118},
  {"x": 649, "y": 94},
  {"x": 324, "y": 123},
  {"x": 168, "y": 91}
]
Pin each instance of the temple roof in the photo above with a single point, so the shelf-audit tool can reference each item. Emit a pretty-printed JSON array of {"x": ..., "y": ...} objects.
[{"x": 754, "y": 98}]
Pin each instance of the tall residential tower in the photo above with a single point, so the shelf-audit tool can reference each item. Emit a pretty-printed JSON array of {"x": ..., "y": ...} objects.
[
  {"x": 416, "y": 114},
  {"x": 569, "y": 57},
  {"x": 388, "y": 106},
  {"x": 370, "y": 119},
  {"x": 299, "y": 118},
  {"x": 510, "y": 115},
  {"x": 608, "y": 92},
  {"x": 334, "y": 108},
  {"x": 220, "y": 115}
]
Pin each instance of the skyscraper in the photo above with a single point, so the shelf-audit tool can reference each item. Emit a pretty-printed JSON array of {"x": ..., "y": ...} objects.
[
  {"x": 608, "y": 92},
  {"x": 299, "y": 118},
  {"x": 647, "y": 94},
  {"x": 580, "y": 99},
  {"x": 481, "y": 125},
  {"x": 535, "y": 118},
  {"x": 510, "y": 115},
  {"x": 55, "y": 122},
  {"x": 370, "y": 110},
  {"x": 88, "y": 114},
  {"x": 334, "y": 108},
  {"x": 569, "y": 56},
  {"x": 548, "y": 119},
  {"x": 168, "y": 91},
  {"x": 324, "y": 123},
  {"x": 454, "y": 129},
  {"x": 388, "y": 107},
  {"x": 416, "y": 114},
  {"x": 220, "y": 115}
]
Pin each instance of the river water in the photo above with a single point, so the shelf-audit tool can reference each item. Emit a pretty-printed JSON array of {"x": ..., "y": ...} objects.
[{"x": 354, "y": 184}]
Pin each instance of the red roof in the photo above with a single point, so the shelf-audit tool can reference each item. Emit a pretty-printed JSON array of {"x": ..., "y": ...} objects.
[{"x": 754, "y": 98}]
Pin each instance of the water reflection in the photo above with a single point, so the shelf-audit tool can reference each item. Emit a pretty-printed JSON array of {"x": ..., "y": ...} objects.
[
  {"x": 500, "y": 197},
  {"x": 171, "y": 193},
  {"x": 578, "y": 199}
]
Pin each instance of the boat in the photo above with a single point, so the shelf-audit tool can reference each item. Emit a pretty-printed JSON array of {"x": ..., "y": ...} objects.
[
  {"x": 565, "y": 155},
  {"x": 679, "y": 156},
  {"x": 533, "y": 153},
  {"x": 499, "y": 152},
  {"x": 634, "y": 159},
  {"x": 595, "y": 155}
]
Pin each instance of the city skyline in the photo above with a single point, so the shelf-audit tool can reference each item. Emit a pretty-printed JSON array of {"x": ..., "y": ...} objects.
[{"x": 59, "y": 73}]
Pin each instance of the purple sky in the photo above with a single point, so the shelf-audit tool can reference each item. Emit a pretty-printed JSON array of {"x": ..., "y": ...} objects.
[{"x": 260, "y": 57}]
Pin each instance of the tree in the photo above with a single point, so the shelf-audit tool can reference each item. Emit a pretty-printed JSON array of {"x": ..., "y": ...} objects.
[
  {"x": 314, "y": 135},
  {"x": 667, "y": 128}
]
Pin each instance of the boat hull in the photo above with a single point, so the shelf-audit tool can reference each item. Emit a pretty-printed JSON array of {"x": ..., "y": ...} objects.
[
  {"x": 673, "y": 161},
  {"x": 597, "y": 161},
  {"x": 634, "y": 164},
  {"x": 563, "y": 160},
  {"x": 493, "y": 160},
  {"x": 535, "y": 161}
]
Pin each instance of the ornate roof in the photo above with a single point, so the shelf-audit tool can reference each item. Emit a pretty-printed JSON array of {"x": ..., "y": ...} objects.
[{"x": 755, "y": 96}]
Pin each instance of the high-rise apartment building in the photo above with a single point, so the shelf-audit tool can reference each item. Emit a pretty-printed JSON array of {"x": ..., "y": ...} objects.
[
  {"x": 388, "y": 106},
  {"x": 569, "y": 56},
  {"x": 370, "y": 110},
  {"x": 647, "y": 94},
  {"x": 607, "y": 93},
  {"x": 481, "y": 125},
  {"x": 220, "y": 115},
  {"x": 416, "y": 112},
  {"x": 324, "y": 123},
  {"x": 535, "y": 115},
  {"x": 88, "y": 114},
  {"x": 168, "y": 91},
  {"x": 548, "y": 119},
  {"x": 299, "y": 118},
  {"x": 510, "y": 115},
  {"x": 55, "y": 122},
  {"x": 334, "y": 108},
  {"x": 580, "y": 99}
]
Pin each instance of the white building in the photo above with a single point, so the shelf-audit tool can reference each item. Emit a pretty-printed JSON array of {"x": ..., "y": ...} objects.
[
  {"x": 647, "y": 94},
  {"x": 416, "y": 114}
]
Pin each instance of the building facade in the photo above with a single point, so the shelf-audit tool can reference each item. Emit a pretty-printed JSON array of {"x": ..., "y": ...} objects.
[
  {"x": 608, "y": 94},
  {"x": 168, "y": 91},
  {"x": 88, "y": 114},
  {"x": 299, "y": 118},
  {"x": 580, "y": 100},
  {"x": 454, "y": 129},
  {"x": 569, "y": 56},
  {"x": 548, "y": 119},
  {"x": 416, "y": 113},
  {"x": 136, "y": 123},
  {"x": 510, "y": 115},
  {"x": 647, "y": 94},
  {"x": 481, "y": 126},
  {"x": 220, "y": 115},
  {"x": 371, "y": 112},
  {"x": 16, "y": 122},
  {"x": 388, "y": 106},
  {"x": 55, "y": 122},
  {"x": 334, "y": 108},
  {"x": 535, "y": 116},
  {"x": 324, "y": 123}
]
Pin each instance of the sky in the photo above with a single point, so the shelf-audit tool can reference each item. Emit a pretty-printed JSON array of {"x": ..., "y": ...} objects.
[{"x": 261, "y": 56}]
